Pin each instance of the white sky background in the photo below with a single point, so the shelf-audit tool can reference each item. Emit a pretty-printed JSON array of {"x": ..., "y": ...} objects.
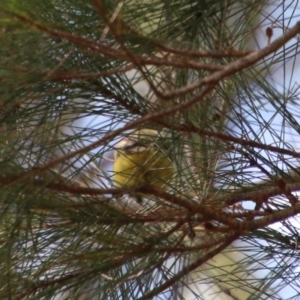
[{"x": 284, "y": 78}]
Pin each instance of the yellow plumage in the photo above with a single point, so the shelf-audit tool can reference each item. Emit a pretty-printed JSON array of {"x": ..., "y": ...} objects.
[{"x": 140, "y": 160}]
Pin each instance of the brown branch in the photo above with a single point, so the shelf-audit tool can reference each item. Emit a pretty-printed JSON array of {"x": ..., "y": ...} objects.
[
  {"x": 250, "y": 225},
  {"x": 189, "y": 205},
  {"x": 100, "y": 48},
  {"x": 259, "y": 194},
  {"x": 238, "y": 65},
  {"x": 219, "y": 215},
  {"x": 230, "y": 53},
  {"x": 230, "y": 139},
  {"x": 192, "y": 208}
]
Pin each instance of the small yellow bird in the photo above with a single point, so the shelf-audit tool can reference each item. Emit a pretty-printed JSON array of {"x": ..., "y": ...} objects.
[{"x": 139, "y": 159}]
